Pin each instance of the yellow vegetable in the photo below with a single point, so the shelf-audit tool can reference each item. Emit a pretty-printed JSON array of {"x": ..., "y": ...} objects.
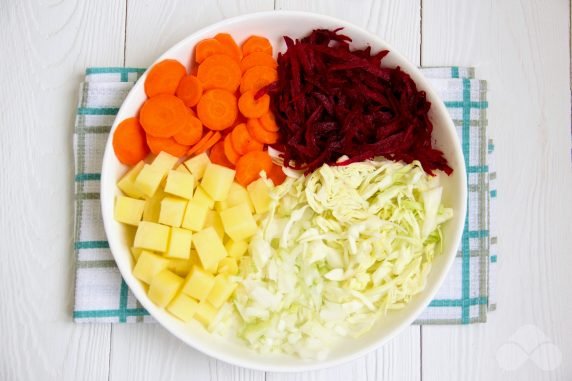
[
  {"x": 179, "y": 244},
  {"x": 180, "y": 184},
  {"x": 148, "y": 180},
  {"x": 205, "y": 313},
  {"x": 238, "y": 195},
  {"x": 201, "y": 197},
  {"x": 236, "y": 249},
  {"x": 213, "y": 220},
  {"x": 227, "y": 266},
  {"x": 209, "y": 248},
  {"x": 183, "y": 307},
  {"x": 136, "y": 252},
  {"x": 198, "y": 283},
  {"x": 127, "y": 182},
  {"x": 217, "y": 180},
  {"x": 128, "y": 210},
  {"x": 197, "y": 165},
  {"x": 259, "y": 194},
  {"x": 152, "y": 236},
  {"x": 180, "y": 266},
  {"x": 195, "y": 216},
  {"x": 172, "y": 211},
  {"x": 164, "y": 162},
  {"x": 148, "y": 265},
  {"x": 153, "y": 206},
  {"x": 181, "y": 168},
  {"x": 164, "y": 287},
  {"x": 238, "y": 222},
  {"x": 221, "y": 291}
]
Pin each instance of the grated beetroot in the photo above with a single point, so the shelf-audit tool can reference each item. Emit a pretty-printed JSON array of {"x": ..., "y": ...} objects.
[{"x": 330, "y": 101}]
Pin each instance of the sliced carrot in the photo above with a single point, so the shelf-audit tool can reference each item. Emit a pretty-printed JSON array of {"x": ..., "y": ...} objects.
[
  {"x": 257, "y": 59},
  {"x": 229, "y": 45},
  {"x": 229, "y": 150},
  {"x": 129, "y": 142},
  {"x": 249, "y": 166},
  {"x": 190, "y": 90},
  {"x": 253, "y": 108},
  {"x": 277, "y": 175},
  {"x": 163, "y": 115},
  {"x": 217, "y": 155},
  {"x": 192, "y": 132},
  {"x": 209, "y": 143},
  {"x": 207, "y": 48},
  {"x": 219, "y": 71},
  {"x": 168, "y": 145},
  {"x": 256, "y": 130},
  {"x": 257, "y": 77},
  {"x": 242, "y": 142},
  {"x": 200, "y": 143},
  {"x": 217, "y": 109},
  {"x": 256, "y": 44},
  {"x": 268, "y": 122},
  {"x": 164, "y": 77}
]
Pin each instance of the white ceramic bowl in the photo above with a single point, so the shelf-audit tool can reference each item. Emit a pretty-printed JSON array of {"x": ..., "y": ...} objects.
[{"x": 274, "y": 25}]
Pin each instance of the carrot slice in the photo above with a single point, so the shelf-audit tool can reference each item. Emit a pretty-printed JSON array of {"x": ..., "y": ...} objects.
[
  {"x": 168, "y": 145},
  {"x": 253, "y": 108},
  {"x": 192, "y": 132},
  {"x": 257, "y": 77},
  {"x": 129, "y": 142},
  {"x": 190, "y": 90},
  {"x": 242, "y": 142},
  {"x": 163, "y": 115},
  {"x": 229, "y": 150},
  {"x": 229, "y": 45},
  {"x": 268, "y": 122},
  {"x": 164, "y": 77},
  {"x": 207, "y": 48},
  {"x": 209, "y": 143},
  {"x": 249, "y": 166},
  {"x": 257, "y": 59},
  {"x": 200, "y": 143},
  {"x": 219, "y": 71},
  {"x": 217, "y": 109},
  {"x": 256, "y": 44},
  {"x": 256, "y": 130},
  {"x": 277, "y": 175},
  {"x": 217, "y": 155}
]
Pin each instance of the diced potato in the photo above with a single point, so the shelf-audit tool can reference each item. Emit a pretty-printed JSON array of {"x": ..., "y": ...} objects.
[
  {"x": 181, "y": 168},
  {"x": 172, "y": 211},
  {"x": 152, "y": 236},
  {"x": 213, "y": 220},
  {"x": 198, "y": 283},
  {"x": 227, "y": 266},
  {"x": 148, "y": 180},
  {"x": 220, "y": 205},
  {"x": 164, "y": 287},
  {"x": 205, "y": 313},
  {"x": 195, "y": 216},
  {"x": 236, "y": 249},
  {"x": 259, "y": 193},
  {"x": 180, "y": 184},
  {"x": 201, "y": 197},
  {"x": 164, "y": 162},
  {"x": 148, "y": 265},
  {"x": 238, "y": 195},
  {"x": 180, "y": 266},
  {"x": 238, "y": 222},
  {"x": 153, "y": 206},
  {"x": 217, "y": 181},
  {"x": 136, "y": 252},
  {"x": 128, "y": 210},
  {"x": 194, "y": 259},
  {"x": 127, "y": 182},
  {"x": 221, "y": 291},
  {"x": 209, "y": 248},
  {"x": 197, "y": 165},
  {"x": 179, "y": 244},
  {"x": 183, "y": 307}
]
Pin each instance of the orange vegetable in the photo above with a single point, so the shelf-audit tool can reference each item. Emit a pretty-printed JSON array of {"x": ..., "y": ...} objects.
[
  {"x": 242, "y": 142},
  {"x": 217, "y": 109},
  {"x": 129, "y": 142},
  {"x": 190, "y": 90},
  {"x": 217, "y": 155},
  {"x": 163, "y": 116},
  {"x": 249, "y": 166},
  {"x": 229, "y": 150},
  {"x": 191, "y": 133},
  {"x": 168, "y": 145},
  {"x": 257, "y": 59},
  {"x": 201, "y": 142},
  {"x": 256, "y": 44},
  {"x": 256, "y": 130},
  {"x": 253, "y": 108},
  {"x": 229, "y": 45},
  {"x": 164, "y": 77},
  {"x": 216, "y": 136},
  {"x": 257, "y": 77},
  {"x": 268, "y": 122},
  {"x": 219, "y": 71},
  {"x": 277, "y": 175},
  {"x": 207, "y": 48}
]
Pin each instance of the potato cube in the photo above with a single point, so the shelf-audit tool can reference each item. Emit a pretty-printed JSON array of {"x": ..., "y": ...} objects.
[
  {"x": 179, "y": 244},
  {"x": 181, "y": 168},
  {"x": 213, "y": 220},
  {"x": 164, "y": 287},
  {"x": 227, "y": 266},
  {"x": 209, "y": 248},
  {"x": 195, "y": 216},
  {"x": 183, "y": 307},
  {"x": 221, "y": 205},
  {"x": 238, "y": 222},
  {"x": 205, "y": 313},
  {"x": 201, "y": 197},
  {"x": 238, "y": 195},
  {"x": 152, "y": 236},
  {"x": 236, "y": 249},
  {"x": 221, "y": 291},
  {"x": 172, "y": 211},
  {"x": 197, "y": 165},
  {"x": 127, "y": 182},
  {"x": 153, "y": 206},
  {"x": 194, "y": 259},
  {"x": 128, "y": 210},
  {"x": 259, "y": 193},
  {"x": 217, "y": 181},
  {"x": 148, "y": 265},
  {"x": 164, "y": 162},
  {"x": 180, "y": 266},
  {"x": 136, "y": 252},
  {"x": 180, "y": 184},
  {"x": 198, "y": 283},
  {"x": 148, "y": 180}
]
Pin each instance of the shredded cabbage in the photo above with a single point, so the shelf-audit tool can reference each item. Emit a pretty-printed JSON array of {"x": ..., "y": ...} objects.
[{"x": 338, "y": 249}]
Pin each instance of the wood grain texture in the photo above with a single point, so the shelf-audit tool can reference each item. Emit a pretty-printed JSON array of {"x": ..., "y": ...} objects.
[
  {"x": 45, "y": 47},
  {"x": 521, "y": 48}
]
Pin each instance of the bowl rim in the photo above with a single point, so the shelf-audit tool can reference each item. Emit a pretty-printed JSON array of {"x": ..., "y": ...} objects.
[{"x": 431, "y": 289}]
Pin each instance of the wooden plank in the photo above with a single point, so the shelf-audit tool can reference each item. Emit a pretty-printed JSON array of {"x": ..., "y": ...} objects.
[
  {"x": 522, "y": 49},
  {"x": 45, "y": 48}
]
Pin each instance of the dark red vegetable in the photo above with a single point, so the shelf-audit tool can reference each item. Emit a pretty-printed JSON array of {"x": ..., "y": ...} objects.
[{"x": 331, "y": 101}]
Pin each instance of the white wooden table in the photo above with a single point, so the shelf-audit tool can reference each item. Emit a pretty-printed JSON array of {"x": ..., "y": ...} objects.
[{"x": 520, "y": 47}]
